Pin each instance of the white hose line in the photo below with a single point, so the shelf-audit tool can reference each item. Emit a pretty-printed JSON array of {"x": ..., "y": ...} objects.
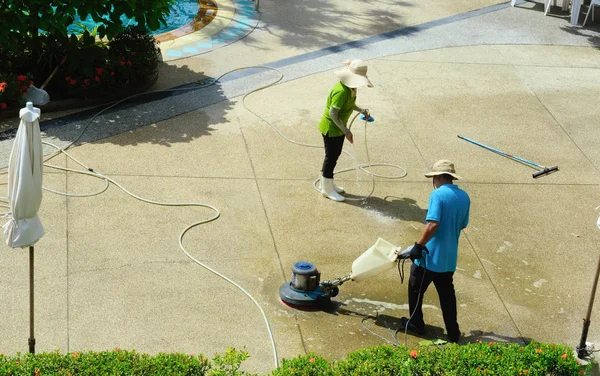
[
  {"x": 98, "y": 175},
  {"x": 363, "y": 167},
  {"x": 90, "y": 172}
]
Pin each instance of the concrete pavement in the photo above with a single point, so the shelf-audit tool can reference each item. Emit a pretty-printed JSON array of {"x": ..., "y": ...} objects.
[{"x": 109, "y": 272}]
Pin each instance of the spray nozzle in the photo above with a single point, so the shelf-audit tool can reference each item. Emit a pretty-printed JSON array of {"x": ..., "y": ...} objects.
[{"x": 371, "y": 119}]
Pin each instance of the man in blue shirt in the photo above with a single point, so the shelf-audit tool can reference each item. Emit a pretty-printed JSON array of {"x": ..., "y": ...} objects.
[{"x": 434, "y": 255}]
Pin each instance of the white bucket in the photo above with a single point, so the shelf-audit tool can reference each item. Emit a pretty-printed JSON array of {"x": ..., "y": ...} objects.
[{"x": 379, "y": 258}]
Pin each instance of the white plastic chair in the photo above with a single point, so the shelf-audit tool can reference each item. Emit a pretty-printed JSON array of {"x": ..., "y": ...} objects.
[
  {"x": 593, "y": 3},
  {"x": 546, "y": 5}
]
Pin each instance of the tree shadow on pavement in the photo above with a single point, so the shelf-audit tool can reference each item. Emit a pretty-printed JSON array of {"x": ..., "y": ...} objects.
[
  {"x": 591, "y": 31},
  {"x": 316, "y": 24},
  {"x": 145, "y": 109}
]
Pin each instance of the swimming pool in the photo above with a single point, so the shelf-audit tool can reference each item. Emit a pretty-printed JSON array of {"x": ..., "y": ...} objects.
[{"x": 182, "y": 13}]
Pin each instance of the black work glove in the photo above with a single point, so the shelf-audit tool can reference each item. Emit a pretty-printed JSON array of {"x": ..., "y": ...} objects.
[{"x": 414, "y": 252}]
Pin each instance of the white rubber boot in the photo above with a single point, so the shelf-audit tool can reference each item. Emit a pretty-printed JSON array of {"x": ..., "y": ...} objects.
[
  {"x": 337, "y": 188},
  {"x": 328, "y": 191}
]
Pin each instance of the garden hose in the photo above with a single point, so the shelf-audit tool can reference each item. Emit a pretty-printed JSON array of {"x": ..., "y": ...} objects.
[
  {"x": 364, "y": 167},
  {"x": 107, "y": 180}
]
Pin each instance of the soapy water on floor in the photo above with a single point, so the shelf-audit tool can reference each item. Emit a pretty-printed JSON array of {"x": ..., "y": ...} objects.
[{"x": 386, "y": 305}]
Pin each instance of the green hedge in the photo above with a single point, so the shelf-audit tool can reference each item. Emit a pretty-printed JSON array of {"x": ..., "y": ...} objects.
[{"x": 471, "y": 359}]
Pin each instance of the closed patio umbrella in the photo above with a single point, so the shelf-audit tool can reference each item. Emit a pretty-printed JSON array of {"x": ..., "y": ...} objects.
[{"x": 24, "y": 228}]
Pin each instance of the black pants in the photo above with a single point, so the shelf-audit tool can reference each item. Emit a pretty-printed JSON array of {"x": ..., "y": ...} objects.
[
  {"x": 333, "y": 149},
  {"x": 445, "y": 288}
]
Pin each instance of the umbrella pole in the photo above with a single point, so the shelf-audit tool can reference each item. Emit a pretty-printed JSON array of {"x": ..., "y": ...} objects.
[
  {"x": 31, "y": 337},
  {"x": 581, "y": 349}
]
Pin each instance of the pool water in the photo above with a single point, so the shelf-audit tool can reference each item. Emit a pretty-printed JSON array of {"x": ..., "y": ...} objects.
[{"x": 182, "y": 13}]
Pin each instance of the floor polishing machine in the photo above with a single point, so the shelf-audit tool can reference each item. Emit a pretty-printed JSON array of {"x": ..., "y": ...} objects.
[{"x": 306, "y": 290}]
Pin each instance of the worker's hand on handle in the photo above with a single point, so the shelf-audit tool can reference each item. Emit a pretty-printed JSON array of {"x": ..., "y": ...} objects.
[
  {"x": 366, "y": 112},
  {"x": 403, "y": 255},
  {"x": 350, "y": 137},
  {"x": 413, "y": 252}
]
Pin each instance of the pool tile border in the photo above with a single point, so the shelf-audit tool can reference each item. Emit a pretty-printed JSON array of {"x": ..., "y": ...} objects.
[{"x": 236, "y": 25}]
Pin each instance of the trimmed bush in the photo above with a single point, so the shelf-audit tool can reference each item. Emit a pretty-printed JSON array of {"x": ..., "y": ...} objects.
[
  {"x": 471, "y": 359},
  {"x": 91, "y": 69}
]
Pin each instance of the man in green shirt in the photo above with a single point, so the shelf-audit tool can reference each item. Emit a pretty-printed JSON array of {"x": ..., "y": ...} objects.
[{"x": 340, "y": 104}]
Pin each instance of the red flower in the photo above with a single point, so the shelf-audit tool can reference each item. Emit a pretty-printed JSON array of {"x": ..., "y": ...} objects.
[
  {"x": 564, "y": 356},
  {"x": 21, "y": 78},
  {"x": 581, "y": 372},
  {"x": 3, "y": 106},
  {"x": 30, "y": 82},
  {"x": 128, "y": 62},
  {"x": 492, "y": 343},
  {"x": 312, "y": 360},
  {"x": 2, "y": 87},
  {"x": 97, "y": 79},
  {"x": 72, "y": 82},
  {"x": 37, "y": 372},
  {"x": 122, "y": 62},
  {"x": 68, "y": 78},
  {"x": 539, "y": 351},
  {"x": 414, "y": 354},
  {"x": 99, "y": 71},
  {"x": 75, "y": 354}
]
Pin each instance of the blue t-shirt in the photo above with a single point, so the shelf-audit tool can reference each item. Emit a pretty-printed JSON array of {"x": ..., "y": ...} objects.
[{"x": 449, "y": 206}]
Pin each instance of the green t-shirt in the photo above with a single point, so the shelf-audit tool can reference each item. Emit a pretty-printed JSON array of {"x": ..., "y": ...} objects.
[{"x": 340, "y": 97}]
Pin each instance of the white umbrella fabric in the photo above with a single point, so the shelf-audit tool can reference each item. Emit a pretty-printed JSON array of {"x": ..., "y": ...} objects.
[{"x": 24, "y": 227}]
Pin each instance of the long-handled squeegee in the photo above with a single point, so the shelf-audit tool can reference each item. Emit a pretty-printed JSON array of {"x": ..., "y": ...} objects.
[{"x": 542, "y": 170}]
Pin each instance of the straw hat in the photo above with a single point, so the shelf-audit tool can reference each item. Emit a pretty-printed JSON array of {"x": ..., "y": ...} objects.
[
  {"x": 355, "y": 74},
  {"x": 442, "y": 167}
]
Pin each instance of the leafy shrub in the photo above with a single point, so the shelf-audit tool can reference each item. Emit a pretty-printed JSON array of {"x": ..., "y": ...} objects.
[
  {"x": 94, "y": 69},
  {"x": 133, "y": 56},
  {"x": 91, "y": 68},
  {"x": 116, "y": 362},
  {"x": 306, "y": 365},
  {"x": 27, "y": 17},
  {"x": 472, "y": 359},
  {"x": 12, "y": 89}
]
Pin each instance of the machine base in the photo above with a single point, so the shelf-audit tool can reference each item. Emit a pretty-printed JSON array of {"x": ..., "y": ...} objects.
[{"x": 302, "y": 299}]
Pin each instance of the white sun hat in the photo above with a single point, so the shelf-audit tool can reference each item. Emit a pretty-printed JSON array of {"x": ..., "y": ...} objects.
[{"x": 355, "y": 74}]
